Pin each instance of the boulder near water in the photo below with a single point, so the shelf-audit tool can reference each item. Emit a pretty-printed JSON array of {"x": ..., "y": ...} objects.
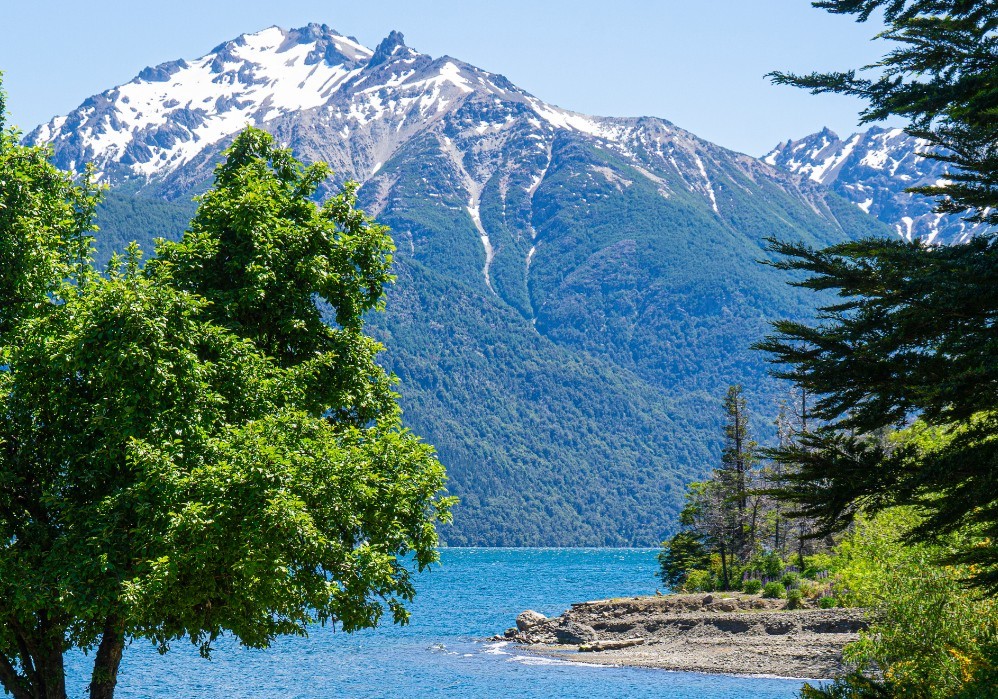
[{"x": 529, "y": 619}]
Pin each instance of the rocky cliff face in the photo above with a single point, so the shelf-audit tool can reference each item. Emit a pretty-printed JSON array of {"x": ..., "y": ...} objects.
[
  {"x": 575, "y": 293},
  {"x": 872, "y": 169}
]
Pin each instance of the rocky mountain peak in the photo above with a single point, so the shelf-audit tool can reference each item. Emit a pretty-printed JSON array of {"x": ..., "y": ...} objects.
[
  {"x": 873, "y": 169},
  {"x": 391, "y": 45}
]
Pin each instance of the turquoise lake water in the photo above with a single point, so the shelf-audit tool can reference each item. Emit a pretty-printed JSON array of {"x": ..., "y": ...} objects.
[{"x": 474, "y": 594}]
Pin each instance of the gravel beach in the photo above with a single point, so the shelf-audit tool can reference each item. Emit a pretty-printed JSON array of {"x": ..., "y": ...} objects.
[{"x": 734, "y": 634}]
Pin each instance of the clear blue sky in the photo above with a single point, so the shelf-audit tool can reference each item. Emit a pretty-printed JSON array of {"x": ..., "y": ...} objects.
[{"x": 697, "y": 63}]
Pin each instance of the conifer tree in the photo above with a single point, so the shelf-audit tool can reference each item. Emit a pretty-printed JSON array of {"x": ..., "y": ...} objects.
[
  {"x": 737, "y": 470},
  {"x": 910, "y": 333}
]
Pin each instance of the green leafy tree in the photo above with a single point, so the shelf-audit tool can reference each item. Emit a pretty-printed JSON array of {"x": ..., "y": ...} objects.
[
  {"x": 186, "y": 450},
  {"x": 930, "y": 637},
  {"x": 708, "y": 528}
]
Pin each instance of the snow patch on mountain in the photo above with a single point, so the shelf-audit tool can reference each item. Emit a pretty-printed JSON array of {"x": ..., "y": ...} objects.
[
  {"x": 707, "y": 184},
  {"x": 873, "y": 169}
]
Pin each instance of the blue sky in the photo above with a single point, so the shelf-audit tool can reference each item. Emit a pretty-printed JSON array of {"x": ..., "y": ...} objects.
[{"x": 697, "y": 63}]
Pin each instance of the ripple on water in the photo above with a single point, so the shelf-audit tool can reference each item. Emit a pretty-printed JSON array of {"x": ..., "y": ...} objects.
[{"x": 474, "y": 594}]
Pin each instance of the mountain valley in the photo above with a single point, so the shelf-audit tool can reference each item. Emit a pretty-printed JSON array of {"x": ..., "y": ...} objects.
[{"x": 574, "y": 293}]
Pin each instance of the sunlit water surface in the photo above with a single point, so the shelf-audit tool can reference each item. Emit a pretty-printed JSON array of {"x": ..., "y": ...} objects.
[{"x": 474, "y": 594}]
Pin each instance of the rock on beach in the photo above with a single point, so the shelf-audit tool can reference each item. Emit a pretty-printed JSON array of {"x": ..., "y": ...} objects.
[{"x": 724, "y": 634}]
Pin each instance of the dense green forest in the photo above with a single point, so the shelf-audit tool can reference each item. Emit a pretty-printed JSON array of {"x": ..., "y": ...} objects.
[
  {"x": 573, "y": 411},
  {"x": 578, "y": 425},
  {"x": 123, "y": 217}
]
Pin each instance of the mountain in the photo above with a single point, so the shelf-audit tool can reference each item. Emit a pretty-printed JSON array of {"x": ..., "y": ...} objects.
[
  {"x": 872, "y": 169},
  {"x": 574, "y": 295}
]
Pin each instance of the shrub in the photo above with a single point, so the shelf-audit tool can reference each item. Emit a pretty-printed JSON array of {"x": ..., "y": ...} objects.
[
  {"x": 817, "y": 564},
  {"x": 679, "y": 555},
  {"x": 810, "y": 588},
  {"x": 794, "y": 599},
  {"x": 774, "y": 590},
  {"x": 827, "y": 603},
  {"x": 791, "y": 580},
  {"x": 772, "y": 565},
  {"x": 699, "y": 581},
  {"x": 752, "y": 586}
]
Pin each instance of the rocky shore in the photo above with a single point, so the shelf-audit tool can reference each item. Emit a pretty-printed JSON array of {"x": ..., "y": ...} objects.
[{"x": 731, "y": 634}]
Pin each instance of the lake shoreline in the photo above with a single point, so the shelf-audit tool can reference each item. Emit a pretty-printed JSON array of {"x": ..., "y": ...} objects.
[{"x": 738, "y": 634}]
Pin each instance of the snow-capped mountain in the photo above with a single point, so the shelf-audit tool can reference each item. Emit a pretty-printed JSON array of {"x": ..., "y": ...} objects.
[
  {"x": 872, "y": 169},
  {"x": 372, "y": 101},
  {"x": 333, "y": 98},
  {"x": 575, "y": 292}
]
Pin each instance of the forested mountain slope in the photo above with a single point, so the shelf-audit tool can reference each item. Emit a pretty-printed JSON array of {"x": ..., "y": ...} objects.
[{"x": 574, "y": 293}]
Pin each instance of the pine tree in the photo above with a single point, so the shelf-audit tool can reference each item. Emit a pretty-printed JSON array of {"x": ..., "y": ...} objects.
[
  {"x": 911, "y": 333},
  {"x": 737, "y": 470},
  {"x": 940, "y": 76}
]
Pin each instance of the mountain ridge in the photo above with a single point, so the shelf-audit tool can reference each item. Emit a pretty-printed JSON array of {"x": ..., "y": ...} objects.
[
  {"x": 872, "y": 169},
  {"x": 575, "y": 293}
]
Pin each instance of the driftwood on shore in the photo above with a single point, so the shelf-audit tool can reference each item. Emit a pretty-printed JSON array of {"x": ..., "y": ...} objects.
[{"x": 736, "y": 634}]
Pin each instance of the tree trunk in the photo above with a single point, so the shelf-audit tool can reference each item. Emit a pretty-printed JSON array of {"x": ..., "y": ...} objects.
[
  {"x": 108, "y": 659},
  {"x": 37, "y": 671},
  {"x": 801, "y": 540},
  {"x": 724, "y": 569},
  {"x": 53, "y": 671},
  {"x": 776, "y": 533},
  {"x": 49, "y": 664}
]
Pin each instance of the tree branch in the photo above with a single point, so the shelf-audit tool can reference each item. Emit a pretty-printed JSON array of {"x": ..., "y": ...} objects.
[
  {"x": 26, "y": 651},
  {"x": 12, "y": 681}
]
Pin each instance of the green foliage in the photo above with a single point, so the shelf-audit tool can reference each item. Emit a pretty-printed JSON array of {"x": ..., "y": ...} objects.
[
  {"x": 658, "y": 284},
  {"x": 795, "y": 598},
  {"x": 910, "y": 336},
  {"x": 187, "y": 450},
  {"x": 752, "y": 586},
  {"x": 648, "y": 298},
  {"x": 910, "y": 315},
  {"x": 527, "y": 428},
  {"x": 699, "y": 581},
  {"x": 930, "y": 635},
  {"x": 472, "y": 373},
  {"x": 909, "y": 341},
  {"x": 771, "y": 565},
  {"x": 125, "y": 215},
  {"x": 827, "y": 603},
  {"x": 774, "y": 590},
  {"x": 731, "y": 517},
  {"x": 816, "y": 564},
  {"x": 735, "y": 474},
  {"x": 939, "y": 76},
  {"x": 45, "y": 229},
  {"x": 682, "y": 553},
  {"x": 791, "y": 580},
  {"x": 634, "y": 315}
]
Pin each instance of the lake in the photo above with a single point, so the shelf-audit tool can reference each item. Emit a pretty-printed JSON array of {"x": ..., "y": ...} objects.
[{"x": 473, "y": 594}]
